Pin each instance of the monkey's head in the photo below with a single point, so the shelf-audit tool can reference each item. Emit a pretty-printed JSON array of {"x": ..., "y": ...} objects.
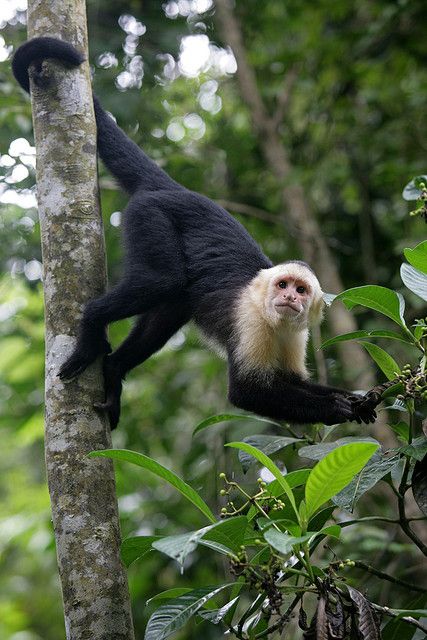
[{"x": 289, "y": 294}]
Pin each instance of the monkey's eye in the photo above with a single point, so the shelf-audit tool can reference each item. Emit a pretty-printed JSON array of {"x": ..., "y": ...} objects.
[
  {"x": 301, "y": 289},
  {"x": 282, "y": 284}
]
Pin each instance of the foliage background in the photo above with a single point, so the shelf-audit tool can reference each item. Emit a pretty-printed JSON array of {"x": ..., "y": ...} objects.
[{"x": 355, "y": 131}]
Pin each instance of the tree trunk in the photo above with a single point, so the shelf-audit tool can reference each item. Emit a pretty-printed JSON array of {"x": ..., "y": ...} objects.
[
  {"x": 300, "y": 221},
  {"x": 82, "y": 490}
]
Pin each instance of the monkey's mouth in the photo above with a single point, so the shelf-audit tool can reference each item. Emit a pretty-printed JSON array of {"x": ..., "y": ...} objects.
[{"x": 286, "y": 307}]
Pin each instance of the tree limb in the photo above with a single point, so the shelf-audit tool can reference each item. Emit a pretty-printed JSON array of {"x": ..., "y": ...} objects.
[{"x": 82, "y": 490}]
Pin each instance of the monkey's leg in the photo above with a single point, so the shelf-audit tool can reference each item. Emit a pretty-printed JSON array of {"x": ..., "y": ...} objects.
[
  {"x": 151, "y": 331},
  {"x": 154, "y": 273}
]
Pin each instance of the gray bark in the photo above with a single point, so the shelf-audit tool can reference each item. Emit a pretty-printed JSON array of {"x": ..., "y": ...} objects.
[
  {"x": 300, "y": 221},
  {"x": 82, "y": 490}
]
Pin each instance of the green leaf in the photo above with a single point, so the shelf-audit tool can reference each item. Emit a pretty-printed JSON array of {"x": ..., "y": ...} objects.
[
  {"x": 375, "y": 469},
  {"x": 267, "y": 444},
  {"x": 168, "y": 594},
  {"x": 417, "y": 449},
  {"x": 159, "y": 470},
  {"x": 285, "y": 543},
  {"x": 414, "y": 280},
  {"x": 386, "y": 301},
  {"x": 216, "y": 616},
  {"x": 133, "y": 548},
  {"x": 175, "y": 614},
  {"x": 386, "y": 363},
  {"x": 417, "y": 256},
  {"x": 319, "y": 451},
  {"x": 229, "y": 533},
  {"x": 401, "y": 429},
  {"x": 334, "y": 472},
  {"x": 376, "y": 333},
  {"x": 226, "y": 417},
  {"x": 412, "y": 190},
  {"x": 224, "y": 536},
  {"x": 269, "y": 464}
]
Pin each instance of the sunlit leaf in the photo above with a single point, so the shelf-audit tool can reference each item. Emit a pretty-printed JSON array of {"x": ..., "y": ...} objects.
[
  {"x": 168, "y": 594},
  {"x": 319, "y": 451},
  {"x": 215, "y": 616},
  {"x": 334, "y": 472},
  {"x": 159, "y": 470}
]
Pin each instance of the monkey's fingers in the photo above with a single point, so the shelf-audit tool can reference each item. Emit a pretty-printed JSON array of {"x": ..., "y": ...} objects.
[{"x": 73, "y": 367}]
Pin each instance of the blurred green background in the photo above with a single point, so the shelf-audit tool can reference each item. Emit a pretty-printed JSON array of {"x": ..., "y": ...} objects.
[{"x": 355, "y": 134}]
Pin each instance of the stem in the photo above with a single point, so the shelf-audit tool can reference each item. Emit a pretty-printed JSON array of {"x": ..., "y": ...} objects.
[
  {"x": 281, "y": 621},
  {"x": 348, "y": 523},
  {"x": 392, "y": 614},
  {"x": 403, "y": 487},
  {"x": 386, "y": 576}
]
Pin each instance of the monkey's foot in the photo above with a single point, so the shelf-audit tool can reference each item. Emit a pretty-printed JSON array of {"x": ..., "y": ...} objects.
[
  {"x": 81, "y": 358},
  {"x": 113, "y": 390}
]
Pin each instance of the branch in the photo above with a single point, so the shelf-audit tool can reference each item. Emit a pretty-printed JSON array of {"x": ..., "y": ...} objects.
[
  {"x": 392, "y": 614},
  {"x": 386, "y": 576}
]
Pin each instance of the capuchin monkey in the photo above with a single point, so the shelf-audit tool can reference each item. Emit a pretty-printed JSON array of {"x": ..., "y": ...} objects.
[{"x": 187, "y": 258}]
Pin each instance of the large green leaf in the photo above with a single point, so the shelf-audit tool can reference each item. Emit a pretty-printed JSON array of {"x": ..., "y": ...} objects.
[
  {"x": 386, "y": 363},
  {"x": 159, "y": 470},
  {"x": 267, "y": 444},
  {"x": 415, "y": 280},
  {"x": 386, "y": 301},
  {"x": 133, "y": 548},
  {"x": 269, "y": 464},
  {"x": 229, "y": 535},
  {"x": 227, "y": 417},
  {"x": 417, "y": 256},
  {"x": 375, "y": 469},
  {"x": 334, "y": 472},
  {"x": 375, "y": 333},
  {"x": 173, "y": 616}
]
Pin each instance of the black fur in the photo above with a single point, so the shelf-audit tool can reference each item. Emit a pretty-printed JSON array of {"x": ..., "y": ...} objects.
[{"x": 186, "y": 257}]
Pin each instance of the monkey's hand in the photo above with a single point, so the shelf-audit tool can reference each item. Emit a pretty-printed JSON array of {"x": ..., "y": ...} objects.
[
  {"x": 83, "y": 355},
  {"x": 339, "y": 409},
  {"x": 113, "y": 391},
  {"x": 364, "y": 407}
]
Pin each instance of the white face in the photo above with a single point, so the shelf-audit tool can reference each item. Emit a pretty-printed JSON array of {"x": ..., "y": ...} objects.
[{"x": 290, "y": 295}]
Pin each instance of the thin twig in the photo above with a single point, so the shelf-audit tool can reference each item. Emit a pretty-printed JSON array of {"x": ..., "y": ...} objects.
[
  {"x": 284, "y": 618},
  {"x": 386, "y": 576},
  {"x": 393, "y": 614}
]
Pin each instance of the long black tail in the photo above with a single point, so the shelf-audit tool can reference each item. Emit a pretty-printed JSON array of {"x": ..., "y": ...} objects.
[{"x": 127, "y": 162}]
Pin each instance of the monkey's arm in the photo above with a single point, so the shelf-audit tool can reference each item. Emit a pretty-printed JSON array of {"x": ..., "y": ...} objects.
[{"x": 280, "y": 398}]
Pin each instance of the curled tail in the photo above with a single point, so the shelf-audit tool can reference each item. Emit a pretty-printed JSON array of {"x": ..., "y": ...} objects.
[{"x": 127, "y": 162}]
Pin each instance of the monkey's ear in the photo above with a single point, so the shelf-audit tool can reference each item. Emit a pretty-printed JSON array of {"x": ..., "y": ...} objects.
[{"x": 317, "y": 307}]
